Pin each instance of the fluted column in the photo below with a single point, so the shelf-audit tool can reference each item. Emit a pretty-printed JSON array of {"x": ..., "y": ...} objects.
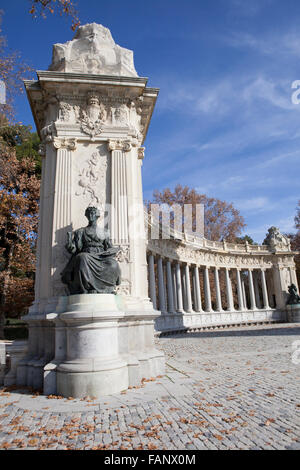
[
  {"x": 119, "y": 192},
  {"x": 207, "y": 290},
  {"x": 179, "y": 288},
  {"x": 189, "y": 306},
  {"x": 161, "y": 286},
  {"x": 197, "y": 290},
  {"x": 218, "y": 292},
  {"x": 152, "y": 288},
  {"x": 264, "y": 289},
  {"x": 239, "y": 290},
  {"x": 62, "y": 205},
  {"x": 251, "y": 290},
  {"x": 170, "y": 293}
]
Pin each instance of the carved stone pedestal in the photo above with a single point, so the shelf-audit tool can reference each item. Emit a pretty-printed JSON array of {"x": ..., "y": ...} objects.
[{"x": 100, "y": 347}]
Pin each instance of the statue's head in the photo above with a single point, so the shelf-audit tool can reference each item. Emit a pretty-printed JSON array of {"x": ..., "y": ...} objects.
[{"x": 92, "y": 213}]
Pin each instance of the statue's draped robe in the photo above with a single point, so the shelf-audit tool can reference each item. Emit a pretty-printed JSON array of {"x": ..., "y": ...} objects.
[{"x": 92, "y": 268}]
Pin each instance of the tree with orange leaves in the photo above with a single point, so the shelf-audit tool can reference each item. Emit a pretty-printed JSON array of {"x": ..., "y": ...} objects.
[
  {"x": 221, "y": 220},
  {"x": 62, "y": 7},
  {"x": 19, "y": 197}
]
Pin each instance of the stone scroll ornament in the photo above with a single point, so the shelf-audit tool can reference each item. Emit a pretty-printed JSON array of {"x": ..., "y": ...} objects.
[{"x": 92, "y": 268}]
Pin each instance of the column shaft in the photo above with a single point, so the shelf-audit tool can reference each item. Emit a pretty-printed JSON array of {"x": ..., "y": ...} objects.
[
  {"x": 170, "y": 293},
  {"x": 189, "y": 307},
  {"x": 251, "y": 290},
  {"x": 264, "y": 290},
  {"x": 152, "y": 281},
  {"x": 239, "y": 290},
  {"x": 207, "y": 290},
  {"x": 161, "y": 287},
  {"x": 229, "y": 295},
  {"x": 179, "y": 288},
  {"x": 218, "y": 293},
  {"x": 119, "y": 218},
  {"x": 197, "y": 291}
]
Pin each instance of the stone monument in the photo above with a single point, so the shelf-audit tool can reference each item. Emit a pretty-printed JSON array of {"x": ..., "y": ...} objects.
[{"x": 93, "y": 335}]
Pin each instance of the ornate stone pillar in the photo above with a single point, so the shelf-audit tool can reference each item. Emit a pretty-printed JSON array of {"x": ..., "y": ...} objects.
[
  {"x": 179, "y": 289},
  {"x": 197, "y": 290},
  {"x": 264, "y": 290},
  {"x": 152, "y": 287},
  {"x": 170, "y": 293},
  {"x": 93, "y": 126},
  {"x": 161, "y": 286},
  {"x": 62, "y": 208},
  {"x": 207, "y": 295},
  {"x": 229, "y": 295},
  {"x": 189, "y": 306},
  {"x": 251, "y": 290},
  {"x": 218, "y": 292}
]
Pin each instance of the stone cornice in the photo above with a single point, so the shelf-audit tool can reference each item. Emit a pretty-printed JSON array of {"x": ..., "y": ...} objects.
[
  {"x": 57, "y": 94},
  {"x": 54, "y": 76}
]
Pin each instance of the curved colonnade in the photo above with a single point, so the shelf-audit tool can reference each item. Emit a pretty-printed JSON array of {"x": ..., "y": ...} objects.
[{"x": 197, "y": 283}]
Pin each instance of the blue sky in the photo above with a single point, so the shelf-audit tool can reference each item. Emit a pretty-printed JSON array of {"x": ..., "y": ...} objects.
[{"x": 224, "y": 122}]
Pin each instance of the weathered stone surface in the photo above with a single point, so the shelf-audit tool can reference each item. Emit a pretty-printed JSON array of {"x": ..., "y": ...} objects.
[{"x": 93, "y": 51}]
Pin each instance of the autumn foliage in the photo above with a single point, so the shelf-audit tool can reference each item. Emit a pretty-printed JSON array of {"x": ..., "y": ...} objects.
[
  {"x": 221, "y": 220},
  {"x": 19, "y": 196},
  {"x": 62, "y": 7}
]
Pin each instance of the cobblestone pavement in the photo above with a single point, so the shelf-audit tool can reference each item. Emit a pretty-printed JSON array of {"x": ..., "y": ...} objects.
[{"x": 223, "y": 389}]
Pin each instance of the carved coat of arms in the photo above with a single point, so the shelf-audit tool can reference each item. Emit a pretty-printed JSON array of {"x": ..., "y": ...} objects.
[{"x": 93, "y": 116}]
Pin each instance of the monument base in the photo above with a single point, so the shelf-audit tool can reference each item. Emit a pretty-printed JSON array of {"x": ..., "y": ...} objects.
[
  {"x": 100, "y": 348},
  {"x": 293, "y": 313}
]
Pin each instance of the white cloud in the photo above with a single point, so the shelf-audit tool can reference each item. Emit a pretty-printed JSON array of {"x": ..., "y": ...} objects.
[
  {"x": 252, "y": 204},
  {"x": 286, "y": 44}
]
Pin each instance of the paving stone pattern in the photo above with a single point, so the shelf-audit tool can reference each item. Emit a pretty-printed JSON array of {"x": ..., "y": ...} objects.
[{"x": 231, "y": 389}]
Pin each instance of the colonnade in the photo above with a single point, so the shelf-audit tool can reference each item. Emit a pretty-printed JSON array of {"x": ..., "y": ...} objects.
[{"x": 178, "y": 287}]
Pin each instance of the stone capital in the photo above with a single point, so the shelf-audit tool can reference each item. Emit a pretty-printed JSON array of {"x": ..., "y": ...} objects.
[
  {"x": 64, "y": 143},
  {"x": 124, "y": 145}
]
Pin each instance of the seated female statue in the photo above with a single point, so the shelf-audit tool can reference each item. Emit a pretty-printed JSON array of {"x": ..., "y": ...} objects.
[{"x": 92, "y": 267}]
